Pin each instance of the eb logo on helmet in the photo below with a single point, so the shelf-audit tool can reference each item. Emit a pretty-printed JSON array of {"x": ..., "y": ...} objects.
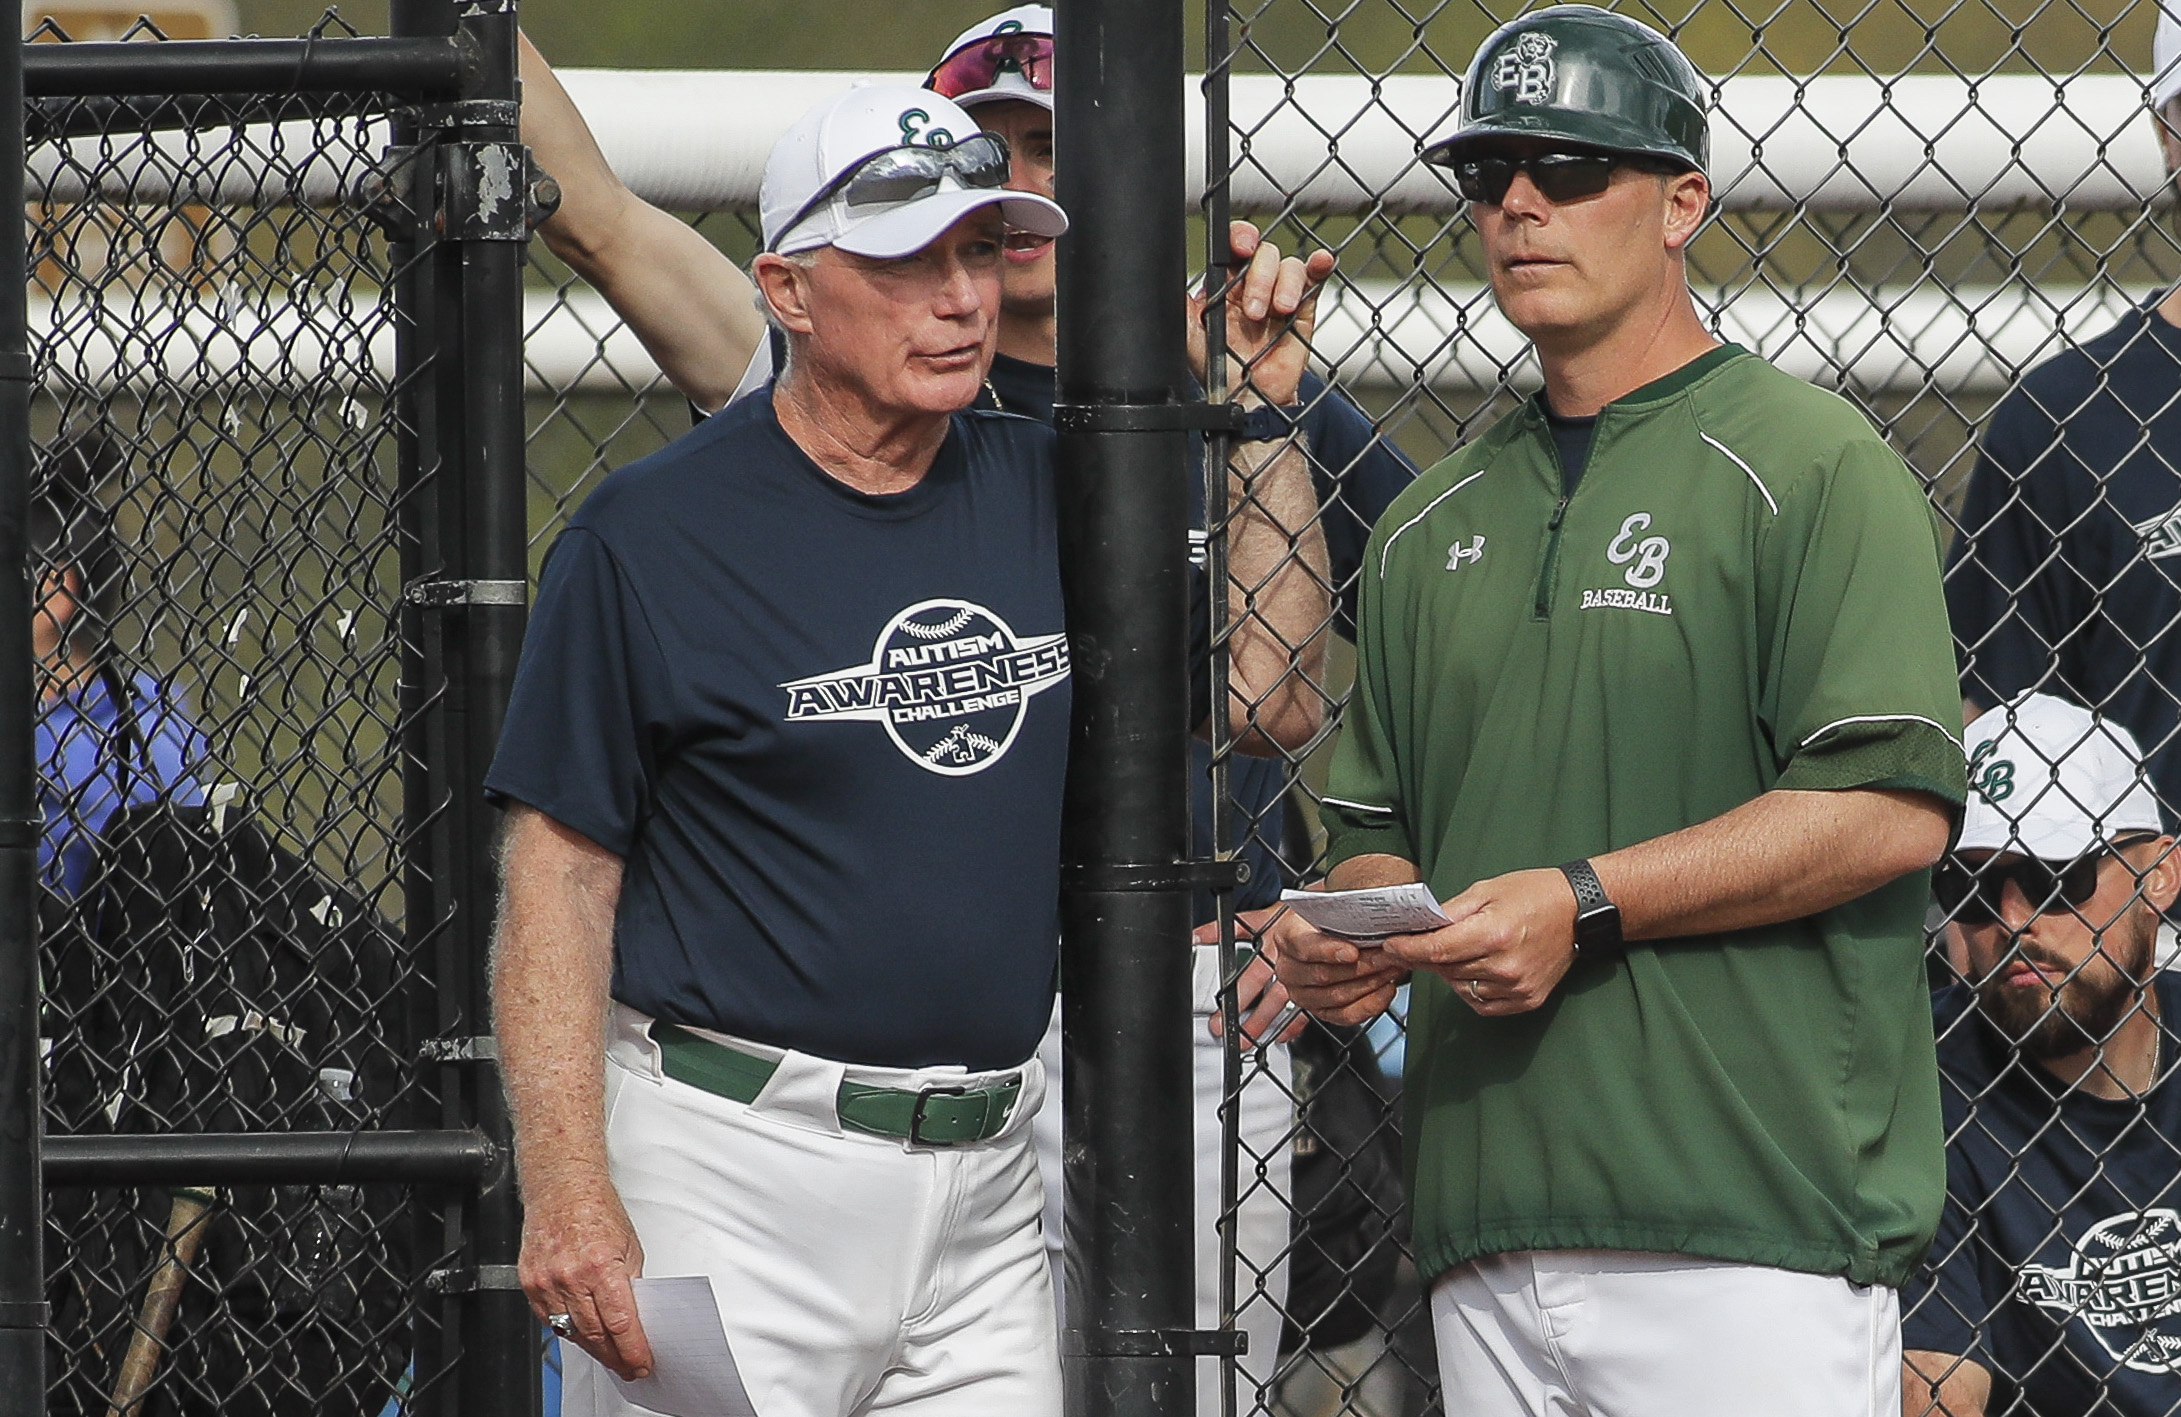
[{"x": 1527, "y": 68}]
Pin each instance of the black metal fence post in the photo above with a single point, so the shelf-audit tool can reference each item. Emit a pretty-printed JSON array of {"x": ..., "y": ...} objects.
[
  {"x": 501, "y": 1375},
  {"x": 1124, "y": 522},
  {"x": 22, "y": 1261}
]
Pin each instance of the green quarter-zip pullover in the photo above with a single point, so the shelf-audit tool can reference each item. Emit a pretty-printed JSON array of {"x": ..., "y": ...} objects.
[{"x": 1741, "y": 593}]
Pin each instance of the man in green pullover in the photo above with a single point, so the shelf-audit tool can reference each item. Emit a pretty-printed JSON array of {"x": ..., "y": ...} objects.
[{"x": 1672, "y": 1107}]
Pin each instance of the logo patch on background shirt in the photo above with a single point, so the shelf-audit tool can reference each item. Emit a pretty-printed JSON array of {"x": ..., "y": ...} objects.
[
  {"x": 1458, "y": 554},
  {"x": 2124, "y": 1283},
  {"x": 950, "y": 681},
  {"x": 2161, "y": 536}
]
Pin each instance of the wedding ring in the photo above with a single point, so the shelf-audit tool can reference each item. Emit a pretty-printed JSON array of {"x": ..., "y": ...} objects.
[
  {"x": 562, "y": 1324},
  {"x": 1473, "y": 992}
]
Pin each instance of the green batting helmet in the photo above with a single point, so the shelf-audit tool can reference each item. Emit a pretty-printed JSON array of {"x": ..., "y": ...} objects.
[{"x": 1582, "y": 75}]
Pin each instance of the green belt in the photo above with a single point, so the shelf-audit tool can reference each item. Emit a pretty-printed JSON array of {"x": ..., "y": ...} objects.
[{"x": 935, "y": 1116}]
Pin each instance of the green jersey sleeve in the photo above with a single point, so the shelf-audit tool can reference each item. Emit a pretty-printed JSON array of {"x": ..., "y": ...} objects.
[
  {"x": 1362, "y": 807},
  {"x": 1859, "y": 688}
]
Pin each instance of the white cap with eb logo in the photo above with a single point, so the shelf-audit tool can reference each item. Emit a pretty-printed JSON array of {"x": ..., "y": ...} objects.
[
  {"x": 2051, "y": 780},
  {"x": 944, "y": 169}
]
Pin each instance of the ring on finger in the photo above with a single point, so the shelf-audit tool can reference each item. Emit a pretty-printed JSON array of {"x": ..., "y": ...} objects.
[
  {"x": 562, "y": 1324},
  {"x": 1473, "y": 994}
]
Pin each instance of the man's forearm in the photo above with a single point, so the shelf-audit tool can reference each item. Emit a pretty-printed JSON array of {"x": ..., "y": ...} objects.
[
  {"x": 551, "y": 968},
  {"x": 687, "y": 303},
  {"x": 1784, "y": 856},
  {"x": 1278, "y": 603}
]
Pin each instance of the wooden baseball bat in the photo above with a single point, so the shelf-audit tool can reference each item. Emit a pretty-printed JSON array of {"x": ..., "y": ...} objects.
[{"x": 186, "y": 1225}]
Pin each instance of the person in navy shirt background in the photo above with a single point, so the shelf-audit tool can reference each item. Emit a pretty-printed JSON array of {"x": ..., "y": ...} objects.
[
  {"x": 2066, "y": 572},
  {"x": 2051, "y": 1288}
]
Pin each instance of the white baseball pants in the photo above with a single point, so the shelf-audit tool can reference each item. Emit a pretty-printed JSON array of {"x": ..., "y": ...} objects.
[
  {"x": 1610, "y": 1333},
  {"x": 856, "y": 1274},
  {"x": 1263, "y": 1187}
]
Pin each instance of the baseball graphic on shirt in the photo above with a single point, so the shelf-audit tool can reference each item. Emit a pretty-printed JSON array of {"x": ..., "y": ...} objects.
[
  {"x": 2124, "y": 1282},
  {"x": 949, "y": 680}
]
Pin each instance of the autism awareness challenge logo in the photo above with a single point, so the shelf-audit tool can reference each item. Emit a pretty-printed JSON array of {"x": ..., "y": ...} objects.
[
  {"x": 949, "y": 680},
  {"x": 2123, "y": 1282}
]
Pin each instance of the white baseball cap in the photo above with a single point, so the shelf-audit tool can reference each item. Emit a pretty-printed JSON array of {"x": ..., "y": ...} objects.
[
  {"x": 2051, "y": 780},
  {"x": 2166, "y": 54},
  {"x": 839, "y": 135},
  {"x": 1009, "y": 81}
]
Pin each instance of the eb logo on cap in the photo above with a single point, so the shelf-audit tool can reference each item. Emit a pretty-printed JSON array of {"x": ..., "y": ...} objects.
[
  {"x": 1996, "y": 783},
  {"x": 916, "y": 128}
]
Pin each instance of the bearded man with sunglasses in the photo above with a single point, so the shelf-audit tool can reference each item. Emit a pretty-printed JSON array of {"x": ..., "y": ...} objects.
[
  {"x": 1653, "y": 689},
  {"x": 2050, "y": 1285}
]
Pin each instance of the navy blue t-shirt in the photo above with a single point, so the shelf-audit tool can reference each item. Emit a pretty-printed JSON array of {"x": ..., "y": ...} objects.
[
  {"x": 1357, "y": 472},
  {"x": 2066, "y": 576},
  {"x": 2058, "y": 1261},
  {"x": 826, "y": 731}
]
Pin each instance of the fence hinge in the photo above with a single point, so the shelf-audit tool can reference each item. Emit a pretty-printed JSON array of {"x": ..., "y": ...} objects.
[
  {"x": 483, "y": 1048},
  {"x": 1154, "y": 1343},
  {"x": 439, "y": 595},
  {"x": 472, "y": 1279},
  {"x": 1219, "y": 875},
  {"x": 460, "y": 190}
]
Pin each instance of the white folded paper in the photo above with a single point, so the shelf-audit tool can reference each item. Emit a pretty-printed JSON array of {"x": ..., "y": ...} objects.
[
  {"x": 693, "y": 1374},
  {"x": 1369, "y": 914}
]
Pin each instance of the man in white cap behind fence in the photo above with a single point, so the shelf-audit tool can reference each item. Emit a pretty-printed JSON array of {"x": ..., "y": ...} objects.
[
  {"x": 2049, "y": 1287},
  {"x": 784, "y": 762}
]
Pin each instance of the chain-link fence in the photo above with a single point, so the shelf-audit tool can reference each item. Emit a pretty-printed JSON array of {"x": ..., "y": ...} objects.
[
  {"x": 1915, "y": 207},
  {"x": 238, "y": 447}
]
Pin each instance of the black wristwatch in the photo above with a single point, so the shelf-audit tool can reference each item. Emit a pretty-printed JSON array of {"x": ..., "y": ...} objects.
[{"x": 1597, "y": 918}]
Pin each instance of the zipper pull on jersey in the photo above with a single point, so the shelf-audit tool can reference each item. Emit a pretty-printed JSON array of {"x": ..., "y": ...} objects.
[{"x": 1542, "y": 610}]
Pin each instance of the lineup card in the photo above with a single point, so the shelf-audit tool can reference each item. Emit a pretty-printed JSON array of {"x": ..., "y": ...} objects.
[
  {"x": 693, "y": 1373},
  {"x": 1369, "y": 914}
]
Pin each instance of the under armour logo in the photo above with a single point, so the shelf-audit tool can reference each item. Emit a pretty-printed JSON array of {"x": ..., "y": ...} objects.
[
  {"x": 1649, "y": 554},
  {"x": 1458, "y": 553},
  {"x": 1527, "y": 68}
]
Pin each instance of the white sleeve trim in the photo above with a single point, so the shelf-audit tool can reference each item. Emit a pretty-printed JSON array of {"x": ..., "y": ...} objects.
[
  {"x": 1387, "y": 549},
  {"x": 1753, "y": 477},
  {"x": 1358, "y": 806},
  {"x": 1951, "y": 736}
]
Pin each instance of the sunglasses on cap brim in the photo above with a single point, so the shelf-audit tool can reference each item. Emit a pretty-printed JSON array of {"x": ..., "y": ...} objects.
[
  {"x": 1558, "y": 176},
  {"x": 977, "y": 66},
  {"x": 892, "y": 176},
  {"x": 1972, "y": 895}
]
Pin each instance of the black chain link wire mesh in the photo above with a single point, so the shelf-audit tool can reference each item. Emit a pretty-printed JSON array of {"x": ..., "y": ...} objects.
[
  {"x": 1893, "y": 224},
  {"x": 216, "y": 546}
]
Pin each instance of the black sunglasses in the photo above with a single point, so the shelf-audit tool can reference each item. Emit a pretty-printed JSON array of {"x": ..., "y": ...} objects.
[
  {"x": 1972, "y": 896},
  {"x": 1559, "y": 177},
  {"x": 892, "y": 176}
]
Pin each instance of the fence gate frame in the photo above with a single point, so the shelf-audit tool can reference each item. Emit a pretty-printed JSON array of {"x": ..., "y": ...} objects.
[{"x": 456, "y": 197}]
